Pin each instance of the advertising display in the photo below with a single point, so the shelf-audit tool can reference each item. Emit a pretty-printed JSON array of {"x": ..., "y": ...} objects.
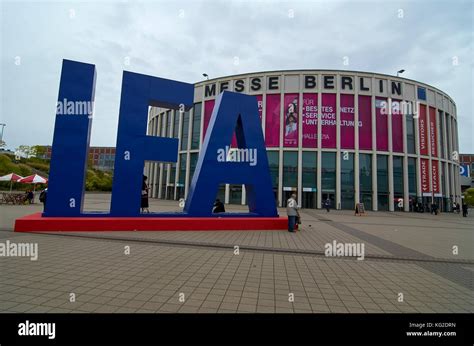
[
  {"x": 425, "y": 176},
  {"x": 435, "y": 176},
  {"x": 422, "y": 130},
  {"x": 397, "y": 127},
  {"x": 272, "y": 121},
  {"x": 328, "y": 121},
  {"x": 208, "y": 108},
  {"x": 310, "y": 120},
  {"x": 290, "y": 133},
  {"x": 433, "y": 132},
  {"x": 347, "y": 121},
  {"x": 365, "y": 123},
  {"x": 381, "y": 120}
]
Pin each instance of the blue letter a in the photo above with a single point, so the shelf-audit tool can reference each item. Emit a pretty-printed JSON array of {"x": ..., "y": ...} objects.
[{"x": 248, "y": 165}]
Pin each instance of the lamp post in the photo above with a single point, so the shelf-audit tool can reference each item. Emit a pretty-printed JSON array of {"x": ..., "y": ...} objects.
[
  {"x": 400, "y": 72},
  {"x": 205, "y": 75}
]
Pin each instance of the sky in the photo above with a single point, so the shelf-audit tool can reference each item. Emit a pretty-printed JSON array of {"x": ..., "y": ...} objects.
[{"x": 181, "y": 40}]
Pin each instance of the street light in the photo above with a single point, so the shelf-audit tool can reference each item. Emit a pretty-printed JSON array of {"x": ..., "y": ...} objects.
[
  {"x": 205, "y": 75},
  {"x": 400, "y": 71},
  {"x": 1, "y": 134}
]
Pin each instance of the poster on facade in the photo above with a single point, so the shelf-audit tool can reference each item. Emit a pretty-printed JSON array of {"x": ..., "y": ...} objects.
[
  {"x": 272, "y": 120},
  {"x": 291, "y": 120},
  {"x": 208, "y": 108},
  {"x": 422, "y": 129},
  {"x": 435, "y": 176},
  {"x": 347, "y": 121},
  {"x": 310, "y": 120},
  {"x": 381, "y": 121},
  {"x": 433, "y": 132},
  {"x": 365, "y": 122},
  {"x": 397, "y": 126},
  {"x": 425, "y": 176},
  {"x": 328, "y": 121}
]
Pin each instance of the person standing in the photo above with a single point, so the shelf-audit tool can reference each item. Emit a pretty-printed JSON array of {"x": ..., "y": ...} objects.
[
  {"x": 292, "y": 212},
  {"x": 464, "y": 209},
  {"x": 218, "y": 207},
  {"x": 144, "y": 200},
  {"x": 43, "y": 196}
]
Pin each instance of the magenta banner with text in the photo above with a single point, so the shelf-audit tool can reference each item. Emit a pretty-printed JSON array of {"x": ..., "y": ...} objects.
[
  {"x": 347, "y": 121},
  {"x": 397, "y": 127},
  {"x": 365, "y": 122},
  {"x": 208, "y": 108},
  {"x": 272, "y": 120},
  {"x": 422, "y": 130},
  {"x": 310, "y": 120},
  {"x": 328, "y": 121},
  {"x": 433, "y": 132},
  {"x": 290, "y": 132},
  {"x": 381, "y": 120}
]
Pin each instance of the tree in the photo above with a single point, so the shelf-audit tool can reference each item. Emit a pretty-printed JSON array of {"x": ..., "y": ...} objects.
[
  {"x": 469, "y": 196},
  {"x": 40, "y": 150},
  {"x": 25, "y": 151}
]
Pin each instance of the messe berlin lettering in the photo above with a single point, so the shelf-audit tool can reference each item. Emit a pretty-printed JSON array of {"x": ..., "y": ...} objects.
[
  {"x": 232, "y": 112},
  {"x": 328, "y": 82}
]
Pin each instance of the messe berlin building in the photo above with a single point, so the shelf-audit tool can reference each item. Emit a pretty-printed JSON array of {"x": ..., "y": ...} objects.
[{"x": 350, "y": 137}]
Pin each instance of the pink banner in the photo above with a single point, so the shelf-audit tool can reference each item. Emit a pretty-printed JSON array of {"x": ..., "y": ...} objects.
[
  {"x": 208, "y": 108},
  {"x": 310, "y": 120},
  {"x": 365, "y": 122},
  {"x": 381, "y": 120},
  {"x": 290, "y": 133},
  {"x": 422, "y": 130},
  {"x": 425, "y": 175},
  {"x": 397, "y": 127},
  {"x": 347, "y": 121},
  {"x": 328, "y": 121},
  {"x": 260, "y": 110},
  {"x": 435, "y": 176},
  {"x": 433, "y": 133},
  {"x": 272, "y": 120}
]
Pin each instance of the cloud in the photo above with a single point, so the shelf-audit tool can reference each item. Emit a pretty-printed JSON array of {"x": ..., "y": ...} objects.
[{"x": 182, "y": 39}]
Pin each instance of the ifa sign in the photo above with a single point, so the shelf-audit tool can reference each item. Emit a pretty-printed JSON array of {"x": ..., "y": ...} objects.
[{"x": 232, "y": 112}]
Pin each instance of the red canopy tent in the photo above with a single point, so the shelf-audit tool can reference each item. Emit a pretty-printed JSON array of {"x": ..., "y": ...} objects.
[
  {"x": 11, "y": 178},
  {"x": 33, "y": 179}
]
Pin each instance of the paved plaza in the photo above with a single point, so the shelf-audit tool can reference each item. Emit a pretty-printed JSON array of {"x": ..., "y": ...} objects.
[{"x": 409, "y": 266}]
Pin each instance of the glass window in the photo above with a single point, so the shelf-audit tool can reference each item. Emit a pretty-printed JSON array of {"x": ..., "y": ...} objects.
[
  {"x": 273, "y": 163},
  {"x": 412, "y": 176},
  {"x": 309, "y": 172},
  {"x": 328, "y": 172},
  {"x": 182, "y": 169},
  {"x": 192, "y": 165},
  {"x": 290, "y": 169},
  {"x": 195, "y": 136},
  {"x": 163, "y": 124},
  {"x": 347, "y": 181},
  {"x": 398, "y": 176},
  {"x": 410, "y": 127},
  {"x": 176, "y": 124},
  {"x": 382, "y": 182},
  {"x": 365, "y": 180},
  {"x": 184, "y": 131}
]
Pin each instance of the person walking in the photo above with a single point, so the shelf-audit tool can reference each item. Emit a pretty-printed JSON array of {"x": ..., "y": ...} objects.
[
  {"x": 292, "y": 212},
  {"x": 327, "y": 204},
  {"x": 464, "y": 209},
  {"x": 144, "y": 200}
]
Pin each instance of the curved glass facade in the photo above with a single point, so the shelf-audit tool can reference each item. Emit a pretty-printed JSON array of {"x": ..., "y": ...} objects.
[{"x": 350, "y": 137}]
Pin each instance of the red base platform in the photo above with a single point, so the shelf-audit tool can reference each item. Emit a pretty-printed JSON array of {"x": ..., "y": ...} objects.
[{"x": 37, "y": 223}]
